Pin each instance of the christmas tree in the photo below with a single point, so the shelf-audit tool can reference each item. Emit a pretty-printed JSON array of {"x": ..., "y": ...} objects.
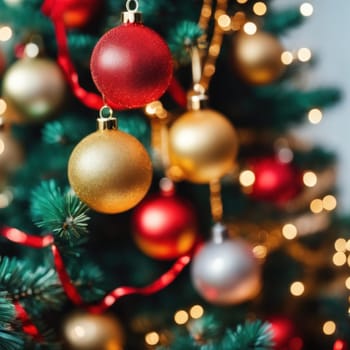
[{"x": 153, "y": 195}]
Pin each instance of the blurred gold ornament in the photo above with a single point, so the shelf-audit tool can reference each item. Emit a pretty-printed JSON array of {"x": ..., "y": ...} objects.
[
  {"x": 110, "y": 170},
  {"x": 34, "y": 88},
  {"x": 11, "y": 154},
  {"x": 257, "y": 58},
  {"x": 84, "y": 331},
  {"x": 202, "y": 146}
]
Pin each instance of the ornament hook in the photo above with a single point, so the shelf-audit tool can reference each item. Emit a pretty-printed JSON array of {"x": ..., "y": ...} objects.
[
  {"x": 129, "y": 5},
  {"x": 106, "y": 121}
]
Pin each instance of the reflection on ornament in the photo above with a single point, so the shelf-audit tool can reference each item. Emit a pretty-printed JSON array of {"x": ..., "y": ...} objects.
[
  {"x": 34, "y": 88},
  {"x": 110, "y": 170},
  {"x": 257, "y": 58},
  {"x": 135, "y": 57},
  {"x": 202, "y": 145},
  {"x": 84, "y": 331},
  {"x": 165, "y": 226},
  {"x": 225, "y": 271}
]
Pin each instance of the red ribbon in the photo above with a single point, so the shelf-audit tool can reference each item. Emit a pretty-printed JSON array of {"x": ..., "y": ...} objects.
[
  {"x": 20, "y": 237},
  {"x": 154, "y": 287},
  {"x": 54, "y": 10},
  {"x": 27, "y": 325}
]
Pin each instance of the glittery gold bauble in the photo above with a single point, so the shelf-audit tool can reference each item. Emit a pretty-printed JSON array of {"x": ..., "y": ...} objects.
[
  {"x": 110, "y": 171},
  {"x": 34, "y": 89},
  {"x": 202, "y": 146},
  {"x": 257, "y": 58},
  {"x": 84, "y": 331}
]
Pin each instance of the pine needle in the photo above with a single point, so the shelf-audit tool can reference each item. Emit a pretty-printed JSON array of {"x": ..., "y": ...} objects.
[{"x": 63, "y": 214}]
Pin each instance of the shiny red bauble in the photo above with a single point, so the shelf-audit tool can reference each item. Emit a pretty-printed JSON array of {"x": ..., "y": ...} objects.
[
  {"x": 283, "y": 331},
  {"x": 340, "y": 344},
  {"x": 275, "y": 181},
  {"x": 78, "y": 13},
  {"x": 131, "y": 66},
  {"x": 165, "y": 226}
]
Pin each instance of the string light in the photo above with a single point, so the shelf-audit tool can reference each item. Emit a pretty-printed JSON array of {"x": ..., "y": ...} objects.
[
  {"x": 304, "y": 54},
  {"x": 224, "y": 21},
  {"x": 297, "y": 288},
  {"x": 247, "y": 178},
  {"x": 316, "y": 206},
  {"x": 196, "y": 311},
  {"x": 287, "y": 58},
  {"x": 242, "y": 1},
  {"x": 152, "y": 338},
  {"x": 315, "y": 116},
  {"x": 347, "y": 283},
  {"x": 340, "y": 245},
  {"x": 5, "y": 33},
  {"x": 289, "y": 231},
  {"x": 181, "y": 317},
  {"x": 339, "y": 259},
  {"x": 250, "y": 28},
  {"x": 260, "y": 251},
  {"x": 306, "y": 9},
  {"x": 260, "y": 8},
  {"x": 31, "y": 50},
  {"x": 329, "y": 328},
  {"x": 329, "y": 202},
  {"x": 310, "y": 179}
]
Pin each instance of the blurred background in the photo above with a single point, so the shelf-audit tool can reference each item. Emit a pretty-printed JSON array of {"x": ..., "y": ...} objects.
[{"x": 325, "y": 33}]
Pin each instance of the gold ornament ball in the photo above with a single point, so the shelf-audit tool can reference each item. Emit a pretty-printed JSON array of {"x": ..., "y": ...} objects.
[
  {"x": 34, "y": 89},
  {"x": 202, "y": 146},
  {"x": 11, "y": 154},
  {"x": 84, "y": 331},
  {"x": 110, "y": 171},
  {"x": 257, "y": 58}
]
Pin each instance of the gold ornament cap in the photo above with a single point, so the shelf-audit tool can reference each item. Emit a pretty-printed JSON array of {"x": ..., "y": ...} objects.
[
  {"x": 197, "y": 99},
  {"x": 106, "y": 121}
]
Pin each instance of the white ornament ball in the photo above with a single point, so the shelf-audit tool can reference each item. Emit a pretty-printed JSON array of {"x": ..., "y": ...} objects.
[{"x": 225, "y": 272}]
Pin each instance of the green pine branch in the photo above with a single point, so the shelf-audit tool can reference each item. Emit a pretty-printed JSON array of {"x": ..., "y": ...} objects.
[
  {"x": 63, "y": 214},
  {"x": 36, "y": 289}
]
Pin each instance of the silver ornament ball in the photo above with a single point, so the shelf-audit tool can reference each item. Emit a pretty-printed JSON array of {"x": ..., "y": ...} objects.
[{"x": 225, "y": 272}]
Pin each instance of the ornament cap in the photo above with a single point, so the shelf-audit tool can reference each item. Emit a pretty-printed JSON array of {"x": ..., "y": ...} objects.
[
  {"x": 197, "y": 100},
  {"x": 131, "y": 17},
  {"x": 106, "y": 121},
  {"x": 219, "y": 233},
  {"x": 107, "y": 124}
]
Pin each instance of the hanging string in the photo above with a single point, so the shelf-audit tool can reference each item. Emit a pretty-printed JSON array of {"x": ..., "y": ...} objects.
[{"x": 216, "y": 200}]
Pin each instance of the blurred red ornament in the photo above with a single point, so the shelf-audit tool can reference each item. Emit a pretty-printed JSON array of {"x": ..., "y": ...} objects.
[
  {"x": 340, "y": 345},
  {"x": 275, "y": 181},
  {"x": 78, "y": 13},
  {"x": 283, "y": 331},
  {"x": 165, "y": 226},
  {"x": 131, "y": 66},
  {"x": 2, "y": 62}
]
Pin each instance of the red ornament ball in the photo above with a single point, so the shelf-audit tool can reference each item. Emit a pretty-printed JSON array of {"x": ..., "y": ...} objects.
[
  {"x": 78, "y": 13},
  {"x": 340, "y": 345},
  {"x": 131, "y": 66},
  {"x": 164, "y": 226},
  {"x": 283, "y": 330},
  {"x": 275, "y": 181}
]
